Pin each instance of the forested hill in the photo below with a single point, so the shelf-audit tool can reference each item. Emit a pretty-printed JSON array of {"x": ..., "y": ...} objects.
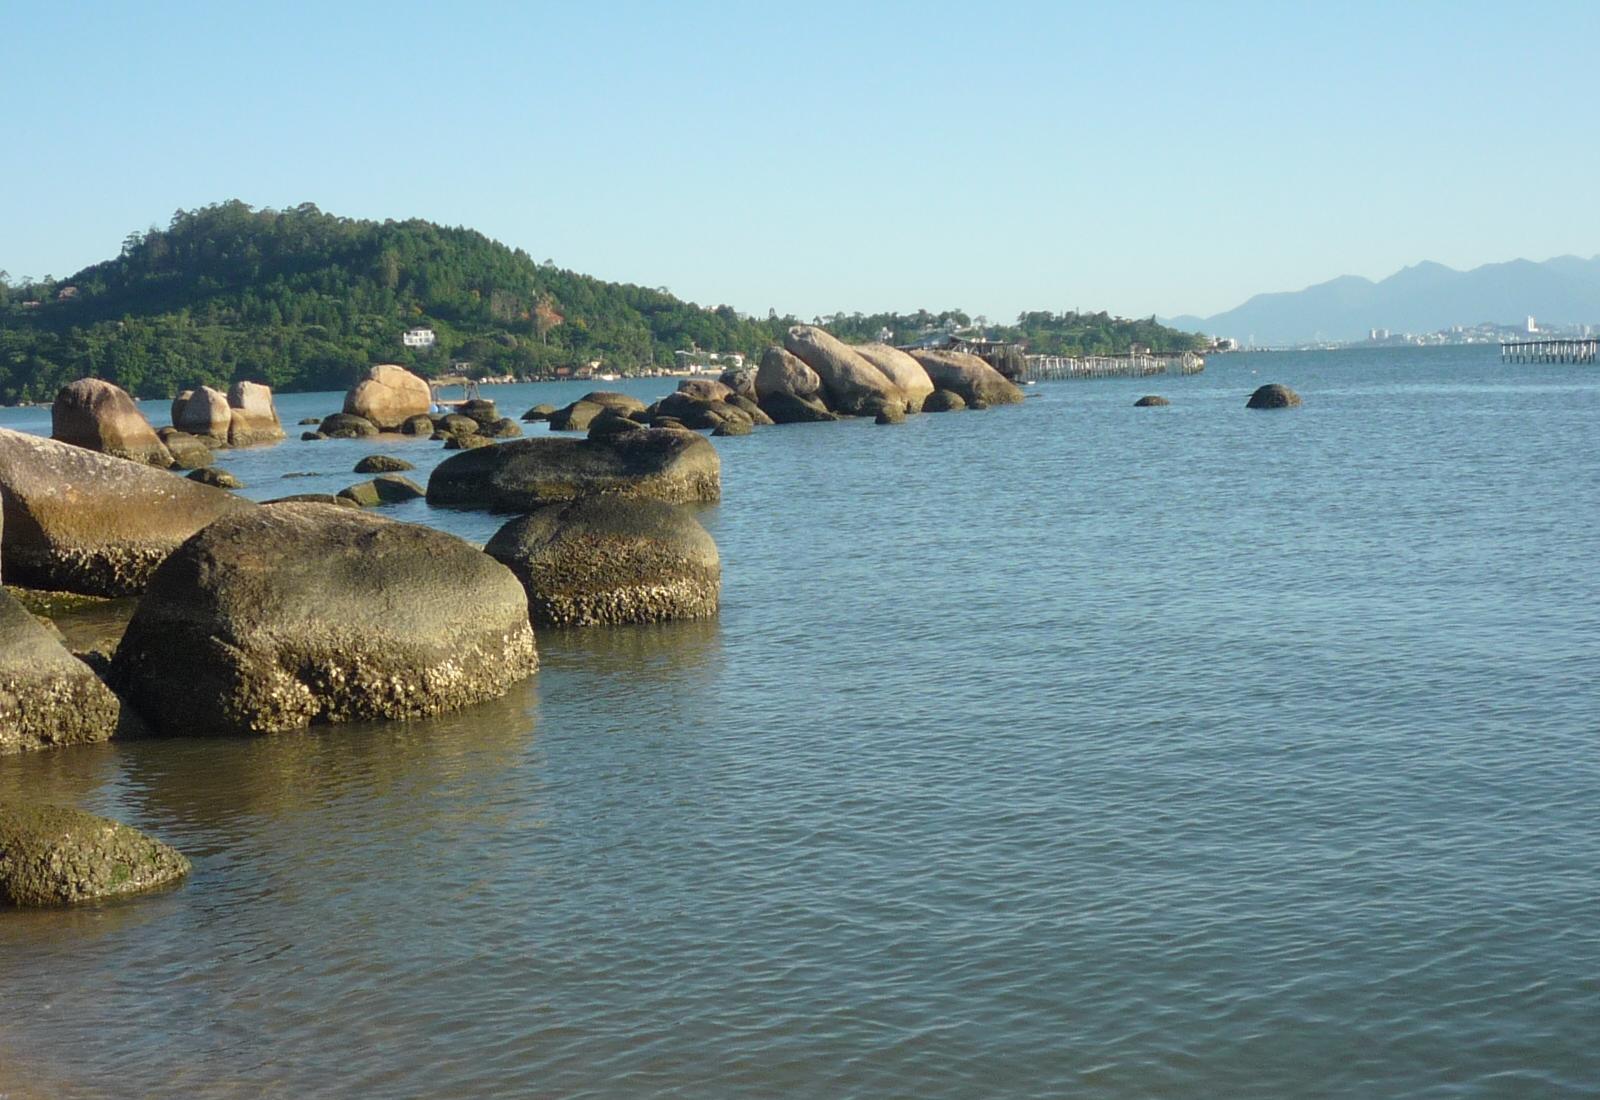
[{"x": 301, "y": 299}]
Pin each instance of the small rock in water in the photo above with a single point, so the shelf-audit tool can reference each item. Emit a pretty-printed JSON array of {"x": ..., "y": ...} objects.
[
  {"x": 382, "y": 464},
  {"x": 311, "y": 420},
  {"x": 385, "y": 489},
  {"x": 1273, "y": 396},
  {"x": 219, "y": 478},
  {"x": 1150, "y": 401},
  {"x": 890, "y": 414},
  {"x": 466, "y": 442},
  {"x": 51, "y": 855}
]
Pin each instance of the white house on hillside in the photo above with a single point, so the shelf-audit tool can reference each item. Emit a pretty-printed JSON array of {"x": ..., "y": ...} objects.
[{"x": 419, "y": 338}]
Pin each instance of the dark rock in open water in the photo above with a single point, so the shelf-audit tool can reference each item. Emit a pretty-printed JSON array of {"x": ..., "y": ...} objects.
[
  {"x": 301, "y": 613},
  {"x": 51, "y": 855},
  {"x": 47, "y": 696},
  {"x": 382, "y": 464},
  {"x": 656, "y": 464},
  {"x": 1273, "y": 396},
  {"x": 609, "y": 560},
  {"x": 78, "y": 521},
  {"x": 348, "y": 426},
  {"x": 421, "y": 424},
  {"x": 1150, "y": 401}
]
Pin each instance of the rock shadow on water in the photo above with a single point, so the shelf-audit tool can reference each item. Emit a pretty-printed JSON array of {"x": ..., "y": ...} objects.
[{"x": 677, "y": 653}]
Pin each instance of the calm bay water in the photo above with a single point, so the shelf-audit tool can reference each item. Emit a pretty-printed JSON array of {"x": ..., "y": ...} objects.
[{"x": 1068, "y": 749}]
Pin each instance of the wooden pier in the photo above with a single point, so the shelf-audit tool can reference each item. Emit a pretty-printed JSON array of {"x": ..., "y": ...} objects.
[
  {"x": 1550, "y": 351},
  {"x": 1042, "y": 367}
]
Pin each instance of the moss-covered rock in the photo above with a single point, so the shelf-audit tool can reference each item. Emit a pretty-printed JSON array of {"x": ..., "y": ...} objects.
[
  {"x": 606, "y": 560},
  {"x": 47, "y": 696},
  {"x": 383, "y": 489},
  {"x": 216, "y": 477},
  {"x": 51, "y": 855},
  {"x": 301, "y": 613},
  {"x": 1273, "y": 396},
  {"x": 382, "y": 464}
]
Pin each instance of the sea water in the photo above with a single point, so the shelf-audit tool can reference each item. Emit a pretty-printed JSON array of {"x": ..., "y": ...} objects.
[{"x": 1068, "y": 749}]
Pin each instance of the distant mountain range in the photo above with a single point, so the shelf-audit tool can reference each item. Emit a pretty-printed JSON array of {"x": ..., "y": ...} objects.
[{"x": 1424, "y": 298}]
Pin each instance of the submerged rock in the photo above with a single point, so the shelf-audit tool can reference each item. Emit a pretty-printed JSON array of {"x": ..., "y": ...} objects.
[
  {"x": 51, "y": 855},
  {"x": 301, "y": 613},
  {"x": 97, "y": 416},
  {"x": 347, "y": 426},
  {"x": 892, "y": 414},
  {"x": 1273, "y": 396},
  {"x": 1150, "y": 401},
  {"x": 609, "y": 560},
  {"x": 384, "y": 489},
  {"x": 77, "y": 521},
  {"x": 216, "y": 477},
  {"x": 47, "y": 696},
  {"x": 656, "y": 463},
  {"x": 382, "y": 464}
]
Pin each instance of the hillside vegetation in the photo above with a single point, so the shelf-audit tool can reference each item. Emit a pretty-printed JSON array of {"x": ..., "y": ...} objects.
[{"x": 305, "y": 300}]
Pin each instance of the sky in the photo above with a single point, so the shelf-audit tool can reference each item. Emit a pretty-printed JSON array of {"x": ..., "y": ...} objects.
[{"x": 1138, "y": 158}]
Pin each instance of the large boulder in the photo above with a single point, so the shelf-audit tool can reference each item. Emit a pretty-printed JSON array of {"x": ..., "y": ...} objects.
[
  {"x": 47, "y": 696},
  {"x": 479, "y": 409},
  {"x": 1273, "y": 396},
  {"x": 254, "y": 417},
  {"x": 575, "y": 417},
  {"x": 301, "y": 613},
  {"x": 388, "y": 396},
  {"x": 853, "y": 386},
  {"x": 940, "y": 401},
  {"x": 969, "y": 376},
  {"x": 789, "y": 391},
  {"x": 76, "y": 521},
  {"x": 93, "y": 414},
  {"x": 606, "y": 560},
  {"x": 899, "y": 368},
  {"x": 51, "y": 855},
  {"x": 654, "y": 464},
  {"x": 741, "y": 380},
  {"x": 205, "y": 412}
]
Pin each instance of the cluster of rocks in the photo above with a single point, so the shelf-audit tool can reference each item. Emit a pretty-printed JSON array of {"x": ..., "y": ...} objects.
[
  {"x": 391, "y": 399},
  {"x": 98, "y": 416},
  {"x": 813, "y": 377}
]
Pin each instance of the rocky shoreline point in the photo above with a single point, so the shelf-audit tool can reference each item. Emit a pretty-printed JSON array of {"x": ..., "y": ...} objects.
[{"x": 266, "y": 618}]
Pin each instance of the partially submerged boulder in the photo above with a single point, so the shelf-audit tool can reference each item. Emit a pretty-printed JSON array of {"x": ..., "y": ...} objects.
[
  {"x": 254, "y": 418},
  {"x": 575, "y": 417},
  {"x": 697, "y": 412},
  {"x": 51, "y": 855},
  {"x": 905, "y": 372},
  {"x": 301, "y": 613},
  {"x": 383, "y": 489},
  {"x": 969, "y": 376},
  {"x": 607, "y": 560},
  {"x": 93, "y": 414},
  {"x": 189, "y": 452},
  {"x": 314, "y": 498},
  {"x": 789, "y": 391},
  {"x": 944, "y": 401},
  {"x": 480, "y": 409},
  {"x": 504, "y": 428},
  {"x": 216, "y": 477},
  {"x": 388, "y": 396},
  {"x": 1151, "y": 401},
  {"x": 204, "y": 412},
  {"x": 1273, "y": 396},
  {"x": 655, "y": 463},
  {"x": 382, "y": 464},
  {"x": 741, "y": 380},
  {"x": 538, "y": 412},
  {"x": 853, "y": 386},
  {"x": 417, "y": 425},
  {"x": 704, "y": 389},
  {"x": 347, "y": 426},
  {"x": 77, "y": 521},
  {"x": 47, "y": 696}
]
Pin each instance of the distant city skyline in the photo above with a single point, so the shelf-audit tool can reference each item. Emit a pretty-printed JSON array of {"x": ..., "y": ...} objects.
[{"x": 1160, "y": 160}]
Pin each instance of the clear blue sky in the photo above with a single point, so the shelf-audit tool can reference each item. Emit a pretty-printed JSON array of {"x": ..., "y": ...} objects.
[{"x": 1157, "y": 158}]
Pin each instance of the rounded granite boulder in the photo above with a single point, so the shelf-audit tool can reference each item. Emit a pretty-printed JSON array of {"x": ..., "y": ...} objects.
[
  {"x": 852, "y": 385},
  {"x": 605, "y": 560},
  {"x": 346, "y": 426},
  {"x": 969, "y": 376},
  {"x": 77, "y": 521},
  {"x": 383, "y": 464},
  {"x": 1151, "y": 401},
  {"x": 1273, "y": 396},
  {"x": 388, "y": 396},
  {"x": 667, "y": 464},
  {"x": 944, "y": 401},
  {"x": 94, "y": 414},
  {"x": 302, "y": 613},
  {"x": 51, "y": 855}
]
